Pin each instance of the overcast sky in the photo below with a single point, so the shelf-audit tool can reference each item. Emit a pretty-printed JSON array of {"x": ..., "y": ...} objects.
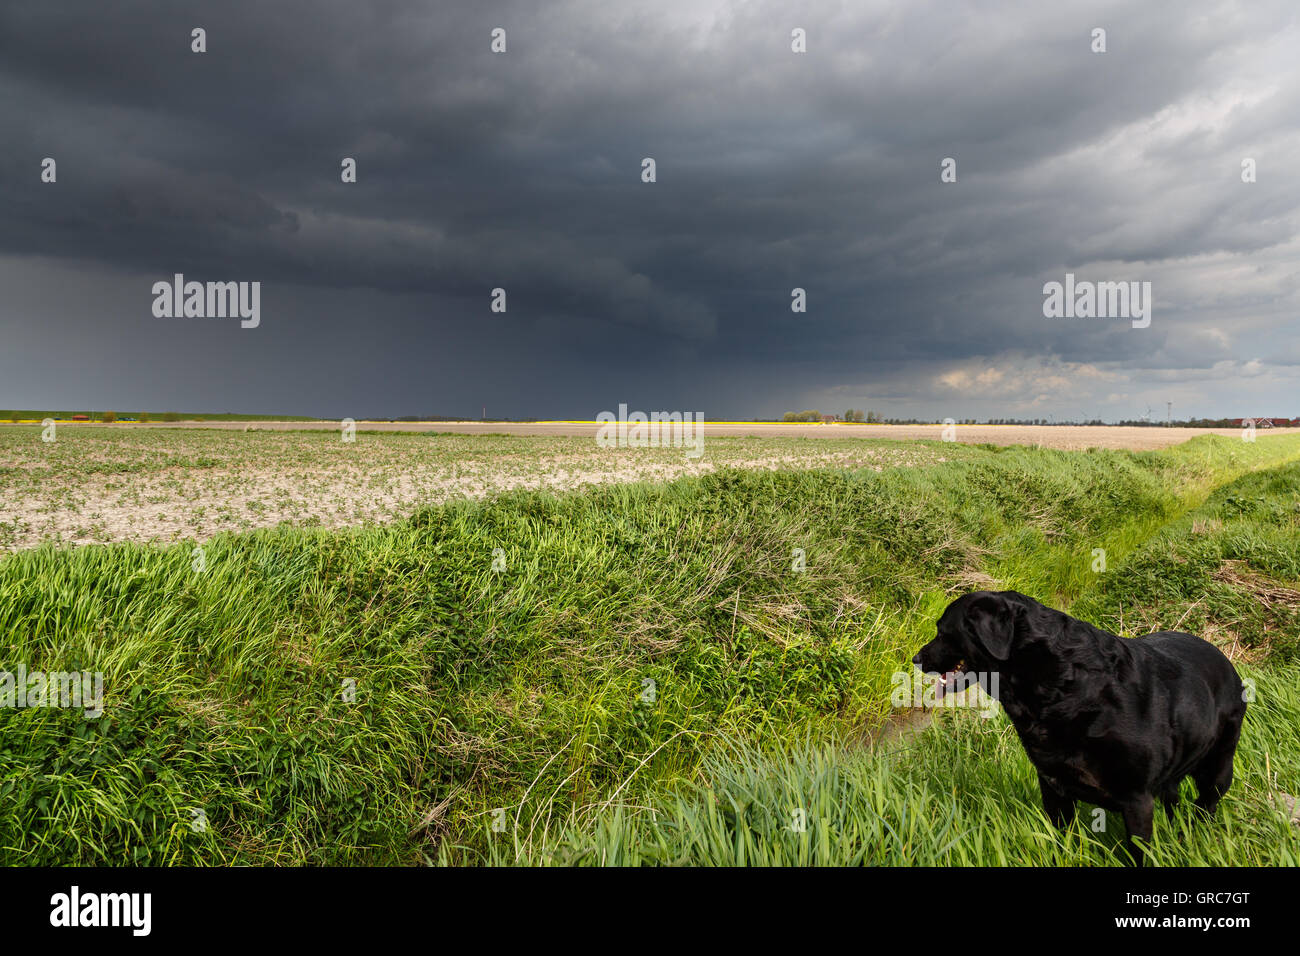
[{"x": 775, "y": 170}]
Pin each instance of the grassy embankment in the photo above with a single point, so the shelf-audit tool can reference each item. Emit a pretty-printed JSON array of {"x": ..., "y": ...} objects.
[{"x": 520, "y": 696}]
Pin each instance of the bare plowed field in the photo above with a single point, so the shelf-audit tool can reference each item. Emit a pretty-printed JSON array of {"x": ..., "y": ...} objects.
[{"x": 145, "y": 482}]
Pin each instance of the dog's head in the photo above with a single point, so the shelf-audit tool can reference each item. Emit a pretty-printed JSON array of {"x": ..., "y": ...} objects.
[{"x": 976, "y": 634}]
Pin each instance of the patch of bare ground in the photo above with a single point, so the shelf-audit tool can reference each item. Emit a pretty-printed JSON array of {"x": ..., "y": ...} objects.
[
  {"x": 1149, "y": 620},
  {"x": 1264, "y": 589},
  {"x": 100, "y": 486},
  {"x": 1272, "y": 595}
]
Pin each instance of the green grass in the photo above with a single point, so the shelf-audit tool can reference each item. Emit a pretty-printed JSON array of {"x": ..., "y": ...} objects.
[
  {"x": 961, "y": 793},
  {"x": 520, "y": 696}
]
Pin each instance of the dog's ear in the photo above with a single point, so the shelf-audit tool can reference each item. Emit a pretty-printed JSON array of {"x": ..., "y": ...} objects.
[{"x": 991, "y": 623}]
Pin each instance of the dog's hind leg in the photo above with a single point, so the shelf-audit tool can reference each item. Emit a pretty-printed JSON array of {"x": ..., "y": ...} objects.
[
  {"x": 1213, "y": 775},
  {"x": 1137, "y": 821},
  {"x": 1058, "y": 807}
]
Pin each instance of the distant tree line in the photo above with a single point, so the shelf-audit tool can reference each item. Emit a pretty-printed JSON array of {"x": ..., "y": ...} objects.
[
  {"x": 856, "y": 415},
  {"x": 812, "y": 415}
]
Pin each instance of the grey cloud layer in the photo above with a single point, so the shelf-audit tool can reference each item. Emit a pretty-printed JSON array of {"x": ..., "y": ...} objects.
[{"x": 775, "y": 170}]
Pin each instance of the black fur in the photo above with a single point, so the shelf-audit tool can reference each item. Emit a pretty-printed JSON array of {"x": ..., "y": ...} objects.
[{"x": 1111, "y": 721}]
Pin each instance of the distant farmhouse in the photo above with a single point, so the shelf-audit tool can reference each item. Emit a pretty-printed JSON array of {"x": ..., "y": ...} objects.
[{"x": 1276, "y": 422}]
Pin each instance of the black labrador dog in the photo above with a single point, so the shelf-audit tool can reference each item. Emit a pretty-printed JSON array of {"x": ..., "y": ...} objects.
[{"x": 1111, "y": 721}]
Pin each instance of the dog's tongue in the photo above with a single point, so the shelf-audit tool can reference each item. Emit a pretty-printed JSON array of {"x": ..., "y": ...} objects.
[{"x": 947, "y": 682}]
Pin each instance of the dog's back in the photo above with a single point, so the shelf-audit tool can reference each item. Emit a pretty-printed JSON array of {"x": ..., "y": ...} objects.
[
  {"x": 1193, "y": 699},
  {"x": 1191, "y": 655}
]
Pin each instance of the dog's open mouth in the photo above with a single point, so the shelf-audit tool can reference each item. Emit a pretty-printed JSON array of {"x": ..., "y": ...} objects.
[{"x": 952, "y": 681}]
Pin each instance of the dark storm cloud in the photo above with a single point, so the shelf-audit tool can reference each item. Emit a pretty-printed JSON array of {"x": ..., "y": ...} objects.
[{"x": 775, "y": 170}]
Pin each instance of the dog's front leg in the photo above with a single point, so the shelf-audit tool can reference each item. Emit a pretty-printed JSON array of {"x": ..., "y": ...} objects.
[
  {"x": 1137, "y": 821},
  {"x": 1056, "y": 804}
]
